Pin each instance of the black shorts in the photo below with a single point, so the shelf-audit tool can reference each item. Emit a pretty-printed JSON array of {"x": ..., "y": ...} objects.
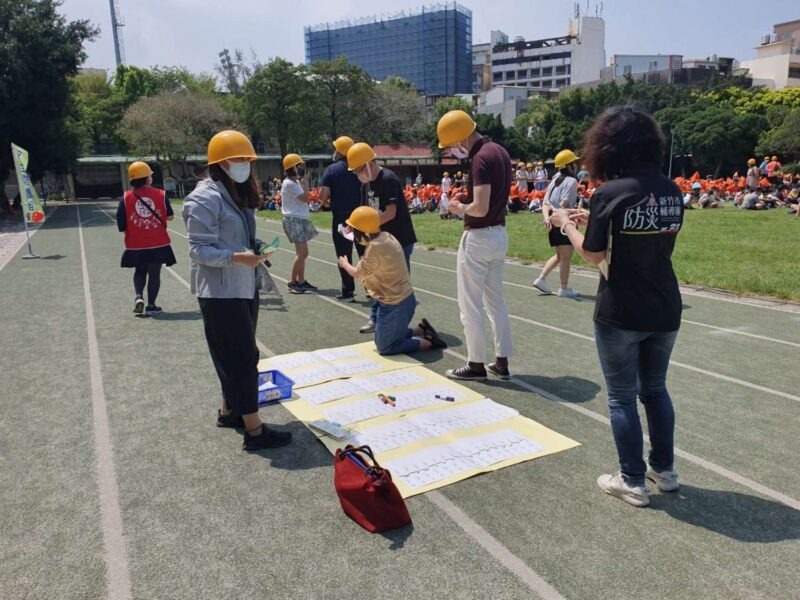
[{"x": 557, "y": 238}]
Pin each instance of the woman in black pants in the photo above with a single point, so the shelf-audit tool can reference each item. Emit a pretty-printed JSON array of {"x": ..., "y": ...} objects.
[
  {"x": 221, "y": 227},
  {"x": 142, "y": 214}
]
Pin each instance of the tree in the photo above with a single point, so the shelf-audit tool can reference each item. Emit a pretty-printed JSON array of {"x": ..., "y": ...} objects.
[
  {"x": 39, "y": 51},
  {"x": 170, "y": 126},
  {"x": 342, "y": 92},
  {"x": 277, "y": 102},
  {"x": 784, "y": 138},
  {"x": 393, "y": 114}
]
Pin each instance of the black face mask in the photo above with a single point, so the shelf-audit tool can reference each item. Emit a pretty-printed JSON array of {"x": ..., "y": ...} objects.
[{"x": 300, "y": 171}]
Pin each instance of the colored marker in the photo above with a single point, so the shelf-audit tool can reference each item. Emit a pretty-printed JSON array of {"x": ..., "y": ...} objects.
[{"x": 445, "y": 398}]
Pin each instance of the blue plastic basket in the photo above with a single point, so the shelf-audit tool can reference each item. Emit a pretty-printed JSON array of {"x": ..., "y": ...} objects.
[{"x": 281, "y": 391}]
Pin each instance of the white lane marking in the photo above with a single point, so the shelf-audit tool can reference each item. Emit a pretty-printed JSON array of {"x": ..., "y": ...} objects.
[
  {"x": 594, "y": 276},
  {"x": 688, "y": 456},
  {"x": 118, "y": 582},
  {"x": 741, "y": 382}
]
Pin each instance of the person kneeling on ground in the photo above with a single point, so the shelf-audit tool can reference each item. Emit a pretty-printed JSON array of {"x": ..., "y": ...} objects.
[
  {"x": 710, "y": 199},
  {"x": 383, "y": 271}
]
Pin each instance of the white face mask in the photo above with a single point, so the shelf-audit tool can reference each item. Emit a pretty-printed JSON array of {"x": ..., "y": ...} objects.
[
  {"x": 459, "y": 152},
  {"x": 345, "y": 232},
  {"x": 365, "y": 176},
  {"x": 238, "y": 171}
]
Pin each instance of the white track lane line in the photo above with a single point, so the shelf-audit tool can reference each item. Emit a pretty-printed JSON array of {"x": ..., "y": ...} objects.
[
  {"x": 688, "y": 456},
  {"x": 118, "y": 582},
  {"x": 741, "y": 382},
  {"x": 487, "y": 541},
  {"x": 593, "y": 276}
]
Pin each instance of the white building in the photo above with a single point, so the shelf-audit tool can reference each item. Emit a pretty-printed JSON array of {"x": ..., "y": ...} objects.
[
  {"x": 777, "y": 62},
  {"x": 638, "y": 64},
  {"x": 553, "y": 63},
  {"x": 482, "y": 62}
]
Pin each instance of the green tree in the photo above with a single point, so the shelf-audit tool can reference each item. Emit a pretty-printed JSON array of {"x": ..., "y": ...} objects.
[
  {"x": 277, "y": 103},
  {"x": 39, "y": 51},
  {"x": 172, "y": 125},
  {"x": 784, "y": 138},
  {"x": 393, "y": 114},
  {"x": 342, "y": 91}
]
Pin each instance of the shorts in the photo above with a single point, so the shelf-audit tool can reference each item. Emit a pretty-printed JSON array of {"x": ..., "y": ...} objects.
[
  {"x": 298, "y": 229},
  {"x": 557, "y": 238}
]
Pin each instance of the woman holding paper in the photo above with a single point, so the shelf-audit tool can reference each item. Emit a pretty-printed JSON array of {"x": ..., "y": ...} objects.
[
  {"x": 638, "y": 312},
  {"x": 220, "y": 222}
]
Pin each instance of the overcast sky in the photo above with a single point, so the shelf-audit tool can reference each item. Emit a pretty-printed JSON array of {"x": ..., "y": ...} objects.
[{"x": 192, "y": 32}]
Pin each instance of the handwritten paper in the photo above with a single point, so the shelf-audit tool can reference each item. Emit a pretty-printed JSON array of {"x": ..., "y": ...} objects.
[
  {"x": 464, "y": 416},
  {"x": 327, "y": 392},
  {"x": 389, "y": 436}
]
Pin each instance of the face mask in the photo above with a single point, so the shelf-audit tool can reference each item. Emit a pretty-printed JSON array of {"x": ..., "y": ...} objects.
[
  {"x": 238, "y": 171},
  {"x": 345, "y": 232},
  {"x": 300, "y": 171},
  {"x": 365, "y": 176},
  {"x": 459, "y": 152}
]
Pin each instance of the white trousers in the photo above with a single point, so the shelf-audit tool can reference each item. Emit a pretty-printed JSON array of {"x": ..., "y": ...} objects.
[{"x": 481, "y": 259}]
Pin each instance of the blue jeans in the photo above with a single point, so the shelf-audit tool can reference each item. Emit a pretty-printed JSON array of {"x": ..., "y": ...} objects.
[
  {"x": 635, "y": 364},
  {"x": 392, "y": 335},
  {"x": 407, "y": 250}
]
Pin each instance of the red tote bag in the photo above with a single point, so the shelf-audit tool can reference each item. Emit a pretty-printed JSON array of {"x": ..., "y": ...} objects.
[{"x": 366, "y": 491}]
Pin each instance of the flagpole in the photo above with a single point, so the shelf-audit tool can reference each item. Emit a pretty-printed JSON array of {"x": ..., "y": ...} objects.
[
  {"x": 31, "y": 253},
  {"x": 671, "y": 146}
]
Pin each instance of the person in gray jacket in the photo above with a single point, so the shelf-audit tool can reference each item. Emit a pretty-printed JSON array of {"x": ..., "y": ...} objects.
[{"x": 220, "y": 222}]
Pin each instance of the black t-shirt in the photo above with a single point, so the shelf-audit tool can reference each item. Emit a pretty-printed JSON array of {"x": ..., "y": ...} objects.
[
  {"x": 384, "y": 191},
  {"x": 489, "y": 165},
  {"x": 345, "y": 190},
  {"x": 643, "y": 213}
]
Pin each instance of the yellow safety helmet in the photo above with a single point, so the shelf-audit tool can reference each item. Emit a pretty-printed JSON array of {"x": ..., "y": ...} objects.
[
  {"x": 139, "y": 170},
  {"x": 529, "y": 165},
  {"x": 774, "y": 158},
  {"x": 358, "y": 155},
  {"x": 446, "y": 174},
  {"x": 455, "y": 126},
  {"x": 291, "y": 160},
  {"x": 564, "y": 158},
  {"x": 343, "y": 144},
  {"x": 751, "y": 162},
  {"x": 520, "y": 164},
  {"x": 366, "y": 219},
  {"x": 230, "y": 144}
]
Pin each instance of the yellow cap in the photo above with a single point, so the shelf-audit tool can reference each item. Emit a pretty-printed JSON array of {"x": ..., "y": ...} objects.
[
  {"x": 343, "y": 144},
  {"x": 774, "y": 158},
  {"x": 291, "y": 160},
  {"x": 752, "y": 161},
  {"x": 139, "y": 170},
  {"x": 455, "y": 126},
  {"x": 529, "y": 165},
  {"x": 366, "y": 219},
  {"x": 230, "y": 144},
  {"x": 564, "y": 158},
  {"x": 358, "y": 155}
]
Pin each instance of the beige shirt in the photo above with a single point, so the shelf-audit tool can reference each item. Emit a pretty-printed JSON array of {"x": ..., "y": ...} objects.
[{"x": 383, "y": 270}]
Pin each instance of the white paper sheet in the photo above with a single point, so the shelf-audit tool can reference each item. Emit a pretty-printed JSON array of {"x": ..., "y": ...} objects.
[
  {"x": 327, "y": 392},
  {"x": 392, "y": 379},
  {"x": 354, "y": 367},
  {"x": 428, "y": 466},
  {"x": 389, "y": 435},
  {"x": 353, "y": 412},
  {"x": 465, "y": 416},
  {"x": 315, "y": 375},
  {"x": 336, "y": 353},
  {"x": 294, "y": 361},
  {"x": 491, "y": 448}
]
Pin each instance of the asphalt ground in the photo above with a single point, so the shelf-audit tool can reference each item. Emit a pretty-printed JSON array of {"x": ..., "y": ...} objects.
[{"x": 117, "y": 484}]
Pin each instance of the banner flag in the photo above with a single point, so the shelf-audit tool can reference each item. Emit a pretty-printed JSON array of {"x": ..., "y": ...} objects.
[{"x": 31, "y": 205}]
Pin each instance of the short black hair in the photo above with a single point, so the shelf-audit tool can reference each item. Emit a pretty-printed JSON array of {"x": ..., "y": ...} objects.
[
  {"x": 137, "y": 183},
  {"x": 621, "y": 138}
]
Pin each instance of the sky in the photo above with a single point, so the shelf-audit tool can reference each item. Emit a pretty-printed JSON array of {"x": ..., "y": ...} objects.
[{"x": 191, "y": 33}]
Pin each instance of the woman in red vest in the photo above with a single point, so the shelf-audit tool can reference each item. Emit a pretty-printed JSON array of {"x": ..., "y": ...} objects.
[{"x": 143, "y": 214}]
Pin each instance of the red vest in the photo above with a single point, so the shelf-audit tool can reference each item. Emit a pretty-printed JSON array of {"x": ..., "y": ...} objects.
[{"x": 142, "y": 229}]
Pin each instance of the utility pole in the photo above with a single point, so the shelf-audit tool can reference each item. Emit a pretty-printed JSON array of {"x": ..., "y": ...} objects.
[{"x": 116, "y": 29}]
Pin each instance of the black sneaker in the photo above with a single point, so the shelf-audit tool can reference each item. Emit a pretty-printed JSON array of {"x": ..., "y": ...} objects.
[
  {"x": 231, "y": 420},
  {"x": 465, "y": 373},
  {"x": 138, "y": 306},
  {"x": 296, "y": 288},
  {"x": 268, "y": 438},
  {"x": 152, "y": 309},
  {"x": 426, "y": 327},
  {"x": 497, "y": 372},
  {"x": 429, "y": 333},
  {"x": 346, "y": 296},
  {"x": 308, "y": 286}
]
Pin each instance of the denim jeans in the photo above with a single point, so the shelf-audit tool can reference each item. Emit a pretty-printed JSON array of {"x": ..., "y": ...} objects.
[
  {"x": 407, "y": 250},
  {"x": 392, "y": 335},
  {"x": 635, "y": 364}
]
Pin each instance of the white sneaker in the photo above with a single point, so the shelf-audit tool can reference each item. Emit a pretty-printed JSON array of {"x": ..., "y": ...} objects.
[
  {"x": 567, "y": 293},
  {"x": 667, "y": 481},
  {"x": 615, "y": 485},
  {"x": 541, "y": 285}
]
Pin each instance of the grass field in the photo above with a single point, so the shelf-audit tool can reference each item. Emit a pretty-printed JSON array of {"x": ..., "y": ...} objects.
[{"x": 746, "y": 252}]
